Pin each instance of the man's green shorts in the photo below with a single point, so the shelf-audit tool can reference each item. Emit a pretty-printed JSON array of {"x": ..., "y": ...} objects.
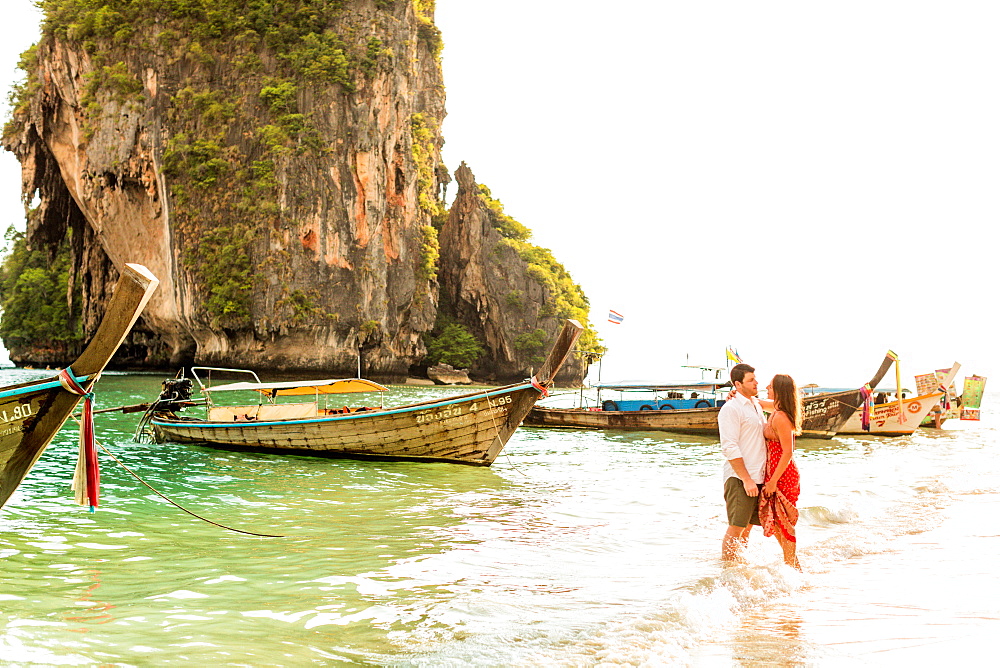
[{"x": 741, "y": 508}]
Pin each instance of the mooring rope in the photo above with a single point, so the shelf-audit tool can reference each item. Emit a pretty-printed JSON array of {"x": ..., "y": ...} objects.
[
  {"x": 536, "y": 385},
  {"x": 174, "y": 503}
]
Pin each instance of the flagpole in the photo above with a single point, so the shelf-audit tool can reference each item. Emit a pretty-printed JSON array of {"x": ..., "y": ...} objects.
[{"x": 899, "y": 393}]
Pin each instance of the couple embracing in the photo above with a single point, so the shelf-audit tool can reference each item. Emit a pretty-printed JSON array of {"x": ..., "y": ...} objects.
[{"x": 761, "y": 480}]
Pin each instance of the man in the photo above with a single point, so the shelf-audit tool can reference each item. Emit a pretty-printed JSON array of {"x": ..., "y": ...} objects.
[{"x": 741, "y": 430}]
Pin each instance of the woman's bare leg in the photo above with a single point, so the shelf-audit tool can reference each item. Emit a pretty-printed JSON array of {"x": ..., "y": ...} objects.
[{"x": 787, "y": 548}]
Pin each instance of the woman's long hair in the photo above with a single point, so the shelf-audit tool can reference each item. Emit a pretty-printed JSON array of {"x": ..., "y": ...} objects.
[{"x": 786, "y": 398}]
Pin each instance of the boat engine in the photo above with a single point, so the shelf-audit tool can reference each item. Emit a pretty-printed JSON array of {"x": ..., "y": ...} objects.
[{"x": 176, "y": 395}]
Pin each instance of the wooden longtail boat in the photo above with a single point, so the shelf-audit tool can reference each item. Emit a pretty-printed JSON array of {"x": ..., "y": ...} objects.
[
  {"x": 31, "y": 413},
  {"x": 823, "y": 414},
  {"x": 469, "y": 429},
  {"x": 885, "y": 417},
  {"x": 884, "y": 420},
  {"x": 954, "y": 405}
]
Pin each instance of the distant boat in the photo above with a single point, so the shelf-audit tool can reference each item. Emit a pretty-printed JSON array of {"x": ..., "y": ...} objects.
[
  {"x": 32, "y": 413},
  {"x": 823, "y": 413},
  {"x": 884, "y": 419},
  {"x": 663, "y": 411},
  {"x": 470, "y": 428},
  {"x": 963, "y": 406}
]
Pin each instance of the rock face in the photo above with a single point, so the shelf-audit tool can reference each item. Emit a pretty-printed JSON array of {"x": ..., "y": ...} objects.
[
  {"x": 287, "y": 215},
  {"x": 280, "y": 174},
  {"x": 488, "y": 287},
  {"x": 446, "y": 374}
]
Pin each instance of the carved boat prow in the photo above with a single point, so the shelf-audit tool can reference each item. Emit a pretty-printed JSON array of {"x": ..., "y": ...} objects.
[{"x": 33, "y": 412}]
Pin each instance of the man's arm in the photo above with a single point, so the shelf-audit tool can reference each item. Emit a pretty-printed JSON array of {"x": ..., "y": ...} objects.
[{"x": 749, "y": 486}]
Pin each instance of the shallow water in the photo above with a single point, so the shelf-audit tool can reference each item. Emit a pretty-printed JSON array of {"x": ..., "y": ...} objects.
[{"x": 572, "y": 549}]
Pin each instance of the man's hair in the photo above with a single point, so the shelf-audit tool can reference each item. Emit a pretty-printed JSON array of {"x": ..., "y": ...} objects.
[{"x": 737, "y": 373}]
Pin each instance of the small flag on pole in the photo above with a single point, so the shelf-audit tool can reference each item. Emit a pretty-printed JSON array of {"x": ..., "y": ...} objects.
[
  {"x": 615, "y": 317},
  {"x": 732, "y": 355}
]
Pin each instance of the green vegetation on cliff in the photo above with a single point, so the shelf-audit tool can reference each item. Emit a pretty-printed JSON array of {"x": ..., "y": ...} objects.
[
  {"x": 568, "y": 300},
  {"x": 33, "y": 291},
  {"x": 234, "y": 124},
  {"x": 452, "y": 343},
  {"x": 298, "y": 31}
]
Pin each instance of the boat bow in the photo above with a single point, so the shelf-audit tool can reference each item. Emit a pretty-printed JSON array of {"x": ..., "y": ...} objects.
[{"x": 38, "y": 409}]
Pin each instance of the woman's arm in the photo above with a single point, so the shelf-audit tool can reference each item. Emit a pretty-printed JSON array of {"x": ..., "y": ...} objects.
[{"x": 782, "y": 426}]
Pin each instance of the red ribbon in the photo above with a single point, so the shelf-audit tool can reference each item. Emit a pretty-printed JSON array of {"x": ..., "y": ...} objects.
[
  {"x": 88, "y": 444},
  {"x": 538, "y": 386},
  {"x": 867, "y": 403}
]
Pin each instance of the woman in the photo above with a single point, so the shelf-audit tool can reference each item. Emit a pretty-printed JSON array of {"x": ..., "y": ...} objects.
[{"x": 778, "y": 513}]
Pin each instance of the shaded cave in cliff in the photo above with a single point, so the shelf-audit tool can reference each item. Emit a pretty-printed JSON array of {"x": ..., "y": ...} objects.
[{"x": 52, "y": 219}]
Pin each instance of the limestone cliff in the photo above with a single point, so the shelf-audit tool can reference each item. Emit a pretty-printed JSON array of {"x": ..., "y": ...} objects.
[
  {"x": 279, "y": 179},
  {"x": 505, "y": 290},
  {"x": 277, "y": 166}
]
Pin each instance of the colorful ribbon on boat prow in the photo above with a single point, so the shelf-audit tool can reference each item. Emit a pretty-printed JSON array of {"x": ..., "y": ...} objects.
[
  {"x": 538, "y": 386},
  {"x": 87, "y": 476},
  {"x": 867, "y": 403},
  {"x": 947, "y": 399}
]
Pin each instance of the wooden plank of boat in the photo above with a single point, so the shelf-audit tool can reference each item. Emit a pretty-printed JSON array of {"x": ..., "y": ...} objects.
[
  {"x": 823, "y": 415},
  {"x": 470, "y": 429},
  {"x": 32, "y": 413}
]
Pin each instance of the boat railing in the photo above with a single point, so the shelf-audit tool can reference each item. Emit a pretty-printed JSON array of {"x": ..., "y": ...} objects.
[{"x": 207, "y": 389}]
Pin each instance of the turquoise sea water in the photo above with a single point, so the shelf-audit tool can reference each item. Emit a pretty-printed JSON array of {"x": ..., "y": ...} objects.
[{"x": 573, "y": 549}]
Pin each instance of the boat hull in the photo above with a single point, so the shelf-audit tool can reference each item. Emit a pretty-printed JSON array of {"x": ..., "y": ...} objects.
[
  {"x": 823, "y": 415},
  {"x": 30, "y": 415},
  {"x": 885, "y": 417},
  {"x": 697, "y": 421},
  {"x": 468, "y": 429}
]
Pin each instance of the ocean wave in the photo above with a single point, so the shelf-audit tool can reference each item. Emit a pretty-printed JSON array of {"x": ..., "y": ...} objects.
[{"x": 823, "y": 516}]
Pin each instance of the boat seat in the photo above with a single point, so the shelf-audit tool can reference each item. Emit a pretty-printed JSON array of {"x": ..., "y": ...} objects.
[{"x": 264, "y": 412}]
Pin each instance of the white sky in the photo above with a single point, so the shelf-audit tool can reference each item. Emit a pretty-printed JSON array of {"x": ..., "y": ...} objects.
[{"x": 813, "y": 184}]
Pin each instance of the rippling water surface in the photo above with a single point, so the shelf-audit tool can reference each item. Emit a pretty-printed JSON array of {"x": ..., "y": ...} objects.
[{"x": 572, "y": 549}]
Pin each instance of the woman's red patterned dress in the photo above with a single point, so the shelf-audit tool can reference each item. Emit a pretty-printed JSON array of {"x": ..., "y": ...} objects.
[{"x": 778, "y": 511}]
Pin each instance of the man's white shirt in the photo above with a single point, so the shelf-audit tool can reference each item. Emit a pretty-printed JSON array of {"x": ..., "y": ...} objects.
[{"x": 741, "y": 429}]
